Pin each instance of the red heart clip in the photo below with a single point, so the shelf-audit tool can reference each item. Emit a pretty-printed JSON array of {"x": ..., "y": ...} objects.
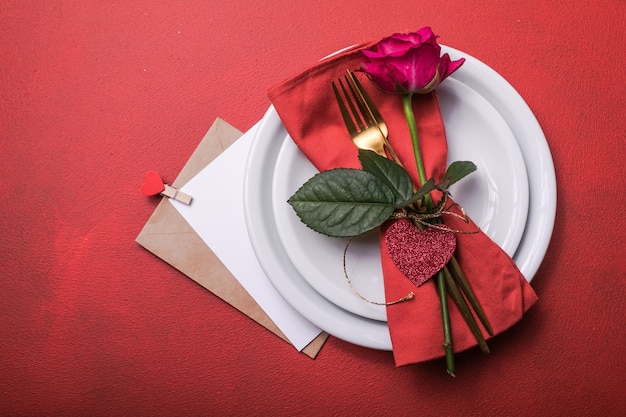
[
  {"x": 419, "y": 254},
  {"x": 153, "y": 184}
]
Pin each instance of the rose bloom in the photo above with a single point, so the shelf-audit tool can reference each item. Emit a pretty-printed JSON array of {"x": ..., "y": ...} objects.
[{"x": 408, "y": 63}]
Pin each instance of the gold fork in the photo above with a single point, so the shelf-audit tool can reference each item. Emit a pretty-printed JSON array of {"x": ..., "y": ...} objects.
[{"x": 363, "y": 121}]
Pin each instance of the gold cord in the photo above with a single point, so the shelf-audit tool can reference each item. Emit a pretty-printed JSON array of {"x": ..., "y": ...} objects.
[{"x": 407, "y": 297}]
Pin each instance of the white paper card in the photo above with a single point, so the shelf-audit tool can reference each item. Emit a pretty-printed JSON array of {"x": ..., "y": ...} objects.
[{"x": 217, "y": 215}]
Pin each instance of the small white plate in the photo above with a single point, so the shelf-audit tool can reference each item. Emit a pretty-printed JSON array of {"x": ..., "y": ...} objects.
[
  {"x": 258, "y": 206},
  {"x": 495, "y": 197}
]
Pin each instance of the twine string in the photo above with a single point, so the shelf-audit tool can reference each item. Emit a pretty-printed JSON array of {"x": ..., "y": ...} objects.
[
  {"x": 407, "y": 297},
  {"x": 441, "y": 210}
]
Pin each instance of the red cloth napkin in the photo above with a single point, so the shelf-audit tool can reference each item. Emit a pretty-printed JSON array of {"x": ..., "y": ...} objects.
[{"x": 307, "y": 107}]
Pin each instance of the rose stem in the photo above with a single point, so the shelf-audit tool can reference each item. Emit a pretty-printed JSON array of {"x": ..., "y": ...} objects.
[
  {"x": 463, "y": 283},
  {"x": 458, "y": 299},
  {"x": 407, "y": 104},
  {"x": 445, "y": 315}
]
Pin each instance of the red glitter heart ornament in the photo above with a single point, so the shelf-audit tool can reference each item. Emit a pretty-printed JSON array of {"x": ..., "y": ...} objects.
[
  {"x": 419, "y": 255},
  {"x": 153, "y": 184}
]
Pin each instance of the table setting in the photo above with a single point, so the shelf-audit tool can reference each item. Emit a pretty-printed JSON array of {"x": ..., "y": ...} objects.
[
  {"x": 289, "y": 254},
  {"x": 395, "y": 216}
]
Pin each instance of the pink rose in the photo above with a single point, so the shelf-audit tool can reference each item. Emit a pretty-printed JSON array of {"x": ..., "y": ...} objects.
[{"x": 408, "y": 63}]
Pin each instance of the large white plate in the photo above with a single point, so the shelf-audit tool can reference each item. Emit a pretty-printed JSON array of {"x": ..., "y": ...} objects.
[
  {"x": 340, "y": 322},
  {"x": 495, "y": 196}
]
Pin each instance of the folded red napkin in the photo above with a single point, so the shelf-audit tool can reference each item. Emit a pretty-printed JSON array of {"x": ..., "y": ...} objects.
[{"x": 307, "y": 107}]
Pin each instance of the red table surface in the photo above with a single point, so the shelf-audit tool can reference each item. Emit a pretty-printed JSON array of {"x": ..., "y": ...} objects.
[{"x": 94, "y": 94}]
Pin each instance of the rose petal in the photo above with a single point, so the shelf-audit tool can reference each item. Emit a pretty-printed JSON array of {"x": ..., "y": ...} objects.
[
  {"x": 416, "y": 68},
  {"x": 379, "y": 74},
  {"x": 447, "y": 67}
]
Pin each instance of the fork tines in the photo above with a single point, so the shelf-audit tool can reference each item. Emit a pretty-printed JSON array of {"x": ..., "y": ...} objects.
[{"x": 362, "y": 110}]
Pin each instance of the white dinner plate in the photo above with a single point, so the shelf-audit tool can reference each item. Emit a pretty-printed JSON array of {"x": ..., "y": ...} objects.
[
  {"x": 338, "y": 321},
  {"x": 495, "y": 197}
]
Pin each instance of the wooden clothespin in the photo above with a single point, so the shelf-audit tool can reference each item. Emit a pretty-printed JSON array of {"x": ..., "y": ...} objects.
[{"x": 154, "y": 185}]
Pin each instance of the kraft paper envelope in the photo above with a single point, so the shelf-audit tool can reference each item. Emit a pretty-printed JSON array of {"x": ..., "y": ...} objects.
[{"x": 171, "y": 238}]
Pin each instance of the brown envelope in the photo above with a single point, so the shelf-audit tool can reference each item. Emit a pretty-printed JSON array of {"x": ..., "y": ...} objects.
[{"x": 170, "y": 237}]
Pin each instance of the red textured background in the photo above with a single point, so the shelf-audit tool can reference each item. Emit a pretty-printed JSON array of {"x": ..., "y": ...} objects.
[{"x": 93, "y": 94}]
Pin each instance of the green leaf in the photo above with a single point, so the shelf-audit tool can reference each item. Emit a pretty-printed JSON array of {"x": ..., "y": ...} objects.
[
  {"x": 419, "y": 194},
  {"x": 389, "y": 172},
  {"x": 456, "y": 171},
  {"x": 343, "y": 202}
]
